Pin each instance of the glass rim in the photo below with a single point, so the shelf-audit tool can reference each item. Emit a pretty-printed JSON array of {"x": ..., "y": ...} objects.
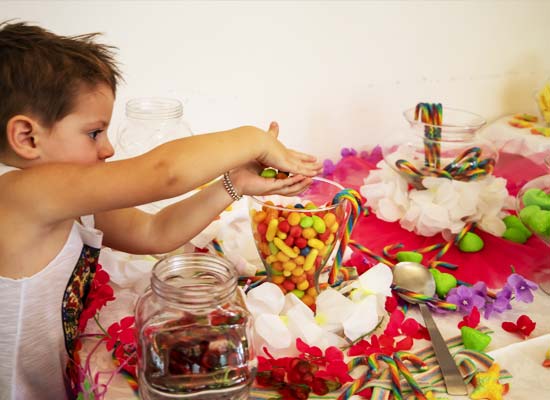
[
  {"x": 153, "y": 108},
  {"x": 304, "y": 210},
  {"x": 409, "y": 116}
]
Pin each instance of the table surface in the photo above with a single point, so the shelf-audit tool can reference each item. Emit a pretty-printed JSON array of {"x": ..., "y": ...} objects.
[{"x": 523, "y": 358}]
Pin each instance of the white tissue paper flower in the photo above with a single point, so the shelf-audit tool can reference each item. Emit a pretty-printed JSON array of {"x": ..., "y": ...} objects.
[
  {"x": 445, "y": 205},
  {"x": 279, "y": 320}
]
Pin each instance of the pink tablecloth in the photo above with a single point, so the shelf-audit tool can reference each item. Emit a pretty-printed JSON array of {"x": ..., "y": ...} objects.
[{"x": 493, "y": 264}]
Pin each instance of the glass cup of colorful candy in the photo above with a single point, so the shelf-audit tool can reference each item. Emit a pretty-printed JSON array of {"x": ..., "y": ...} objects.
[
  {"x": 295, "y": 236},
  {"x": 451, "y": 149},
  {"x": 533, "y": 208}
]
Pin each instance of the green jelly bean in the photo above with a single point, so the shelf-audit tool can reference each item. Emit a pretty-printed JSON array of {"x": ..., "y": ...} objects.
[
  {"x": 526, "y": 213},
  {"x": 515, "y": 235},
  {"x": 298, "y": 293},
  {"x": 539, "y": 222},
  {"x": 512, "y": 221},
  {"x": 409, "y": 256},
  {"x": 471, "y": 243},
  {"x": 306, "y": 222},
  {"x": 269, "y": 173},
  {"x": 319, "y": 224},
  {"x": 538, "y": 197}
]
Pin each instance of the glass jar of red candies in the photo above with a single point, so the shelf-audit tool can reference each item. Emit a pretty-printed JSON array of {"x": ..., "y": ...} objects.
[{"x": 194, "y": 332}]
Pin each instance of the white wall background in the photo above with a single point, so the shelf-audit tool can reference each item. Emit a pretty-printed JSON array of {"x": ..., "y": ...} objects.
[{"x": 333, "y": 73}]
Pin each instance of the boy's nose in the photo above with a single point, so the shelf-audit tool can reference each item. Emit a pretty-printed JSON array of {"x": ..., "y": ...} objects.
[{"x": 106, "y": 150}]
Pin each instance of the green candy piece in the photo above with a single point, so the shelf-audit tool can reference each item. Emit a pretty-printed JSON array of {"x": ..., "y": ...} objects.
[
  {"x": 319, "y": 224},
  {"x": 298, "y": 293},
  {"x": 474, "y": 339},
  {"x": 537, "y": 197},
  {"x": 514, "y": 235},
  {"x": 409, "y": 256},
  {"x": 512, "y": 221},
  {"x": 539, "y": 222},
  {"x": 306, "y": 222},
  {"x": 444, "y": 282},
  {"x": 470, "y": 243},
  {"x": 527, "y": 213},
  {"x": 269, "y": 173}
]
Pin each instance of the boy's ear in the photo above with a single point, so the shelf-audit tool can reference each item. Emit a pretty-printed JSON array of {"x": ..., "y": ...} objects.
[{"x": 21, "y": 131}]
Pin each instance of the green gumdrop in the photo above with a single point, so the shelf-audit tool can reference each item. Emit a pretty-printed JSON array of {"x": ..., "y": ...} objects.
[
  {"x": 514, "y": 235},
  {"x": 268, "y": 173},
  {"x": 527, "y": 212},
  {"x": 537, "y": 197},
  {"x": 444, "y": 282},
  {"x": 539, "y": 222},
  {"x": 470, "y": 243},
  {"x": 298, "y": 293},
  {"x": 409, "y": 256},
  {"x": 474, "y": 339},
  {"x": 512, "y": 221}
]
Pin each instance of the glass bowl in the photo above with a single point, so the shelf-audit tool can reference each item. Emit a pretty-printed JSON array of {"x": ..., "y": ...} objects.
[
  {"x": 295, "y": 236},
  {"x": 451, "y": 149}
]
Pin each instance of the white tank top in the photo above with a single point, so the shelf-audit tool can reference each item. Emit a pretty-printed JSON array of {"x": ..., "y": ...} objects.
[{"x": 37, "y": 319}]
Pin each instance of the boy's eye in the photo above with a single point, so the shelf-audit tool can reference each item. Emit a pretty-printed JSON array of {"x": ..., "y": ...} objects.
[{"x": 94, "y": 134}]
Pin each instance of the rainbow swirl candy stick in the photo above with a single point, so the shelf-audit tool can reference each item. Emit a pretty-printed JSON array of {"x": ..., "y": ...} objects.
[
  {"x": 356, "y": 202},
  {"x": 386, "y": 250},
  {"x": 402, "y": 356},
  {"x": 356, "y": 386},
  {"x": 422, "y": 298},
  {"x": 430, "y": 114},
  {"x": 394, "y": 371},
  {"x": 467, "y": 228},
  {"x": 217, "y": 247},
  {"x": 443, "y": 264},
  {"x": 430, "y": 248},
  {"x": 371, "y": 254}
]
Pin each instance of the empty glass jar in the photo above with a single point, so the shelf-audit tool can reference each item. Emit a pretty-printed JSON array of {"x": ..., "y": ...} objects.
[
  {"x": 149, "y": 122},
  {"x": 193, "y": 332}
]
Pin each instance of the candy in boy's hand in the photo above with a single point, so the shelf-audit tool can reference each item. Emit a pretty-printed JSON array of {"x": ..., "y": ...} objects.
[{"x": 273, "y": 173}]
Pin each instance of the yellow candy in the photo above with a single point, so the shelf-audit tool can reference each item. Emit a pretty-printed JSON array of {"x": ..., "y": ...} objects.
[
  {"x": 278, "y": 279},
  {"x": 270, "y": 259},
  {"x": 290, "y": 266},
  {"x": 281, "y": 235},
  {"x": 271, "y": 229},
  {"x": 300, "y": 260},
  {"x": 303, "y": 285},
  {"x": 308, "y": 233},
  {"x": 329, "y": 219},
  {"x": 259, "y": 216},
  {"x": 316, "y": 243},
  {"x": 297, "y": 271},
  {"x": 281, "y": 256},
  {"x": 310, "y": 259},
  {"x": 294, "y": 218},
  {"x": 284, "y": 248},
  {"x": 334, "y": 227}
]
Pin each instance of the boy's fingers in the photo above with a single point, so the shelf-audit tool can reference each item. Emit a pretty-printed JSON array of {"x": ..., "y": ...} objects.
[{"x": 273, "y": 129}]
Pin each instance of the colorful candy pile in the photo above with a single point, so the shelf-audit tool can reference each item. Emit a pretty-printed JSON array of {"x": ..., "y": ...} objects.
[{"x": 294, "y": 242}]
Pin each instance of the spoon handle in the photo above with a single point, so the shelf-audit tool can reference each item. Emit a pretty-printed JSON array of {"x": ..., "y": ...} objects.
[{"x": 451, "y": 375}]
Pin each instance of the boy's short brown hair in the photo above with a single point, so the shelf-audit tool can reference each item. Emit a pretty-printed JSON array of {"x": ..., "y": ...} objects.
[{"x": 41, "y": 72}]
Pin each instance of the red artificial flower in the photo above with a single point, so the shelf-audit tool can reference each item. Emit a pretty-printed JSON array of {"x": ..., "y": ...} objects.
[
  {"x": 523, "y": 326},
  {"x": 471, "y": 320},
  {"x": 399, "y": 325},
  {"x": 122, "y": 333},
  {"x": 384, "y": 344},
  {"x": 391, "y": 304},
  {"x": 100, "y": 293}
]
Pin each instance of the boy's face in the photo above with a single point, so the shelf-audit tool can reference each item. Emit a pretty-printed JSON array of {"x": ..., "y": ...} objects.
[{"x": 81, "y": 136}]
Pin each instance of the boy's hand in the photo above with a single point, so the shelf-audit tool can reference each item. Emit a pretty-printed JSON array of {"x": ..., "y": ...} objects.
[
  {"x": 247, "y": 180},
  {"x": 278, "y": 156}
]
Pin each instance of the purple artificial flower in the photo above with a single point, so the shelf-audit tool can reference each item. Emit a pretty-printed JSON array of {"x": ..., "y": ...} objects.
[
  {"x": 348, "y": 152},
  {"x": 501, "y": 303},
  {"x": 328, "y": 167},
  {"x": 522, "y": 287},
  {"x": 375, "y": 155},
  {"x": 466, "y": 298},
  {"x": 480, "y": 289}
]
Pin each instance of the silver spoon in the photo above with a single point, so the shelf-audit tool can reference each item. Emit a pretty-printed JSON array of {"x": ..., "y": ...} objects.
[{"x": 417, "y": 278}]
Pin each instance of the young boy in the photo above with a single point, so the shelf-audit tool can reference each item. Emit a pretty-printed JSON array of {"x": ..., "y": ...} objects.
[{"x": 57, "y": 96}]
